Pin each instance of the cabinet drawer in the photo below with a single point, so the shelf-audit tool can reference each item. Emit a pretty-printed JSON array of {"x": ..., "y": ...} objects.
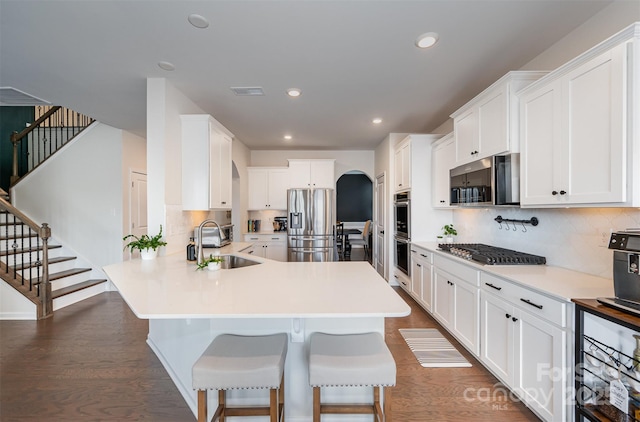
[
  {"x": 463, "y": 272},
  {"x": 421, "y": 254},
  {"x": 529, "y": 300},
  {"x": 265, "y": 237}
]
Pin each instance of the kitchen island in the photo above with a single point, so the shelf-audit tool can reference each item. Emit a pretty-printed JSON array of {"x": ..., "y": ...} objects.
[{"x": 187, "y": 309}]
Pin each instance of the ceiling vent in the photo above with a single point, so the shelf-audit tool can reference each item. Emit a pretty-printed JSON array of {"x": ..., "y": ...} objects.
[
  {"x": 250, "y": 91},
  {"x": 14, "y": 97}
]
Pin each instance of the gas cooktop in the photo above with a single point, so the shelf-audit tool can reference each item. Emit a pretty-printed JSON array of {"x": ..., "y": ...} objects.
[{"x": 491, "y": 255}]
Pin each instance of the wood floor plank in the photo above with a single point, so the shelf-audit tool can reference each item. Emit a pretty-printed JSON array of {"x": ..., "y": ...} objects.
[{"x": 90, "y": 362}]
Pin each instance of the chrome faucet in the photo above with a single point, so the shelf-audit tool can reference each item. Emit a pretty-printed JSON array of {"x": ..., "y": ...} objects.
[{"x": 200, "y": 257}]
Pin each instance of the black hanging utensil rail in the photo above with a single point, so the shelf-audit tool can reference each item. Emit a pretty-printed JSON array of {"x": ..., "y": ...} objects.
[{"x": 533, "y": 221}]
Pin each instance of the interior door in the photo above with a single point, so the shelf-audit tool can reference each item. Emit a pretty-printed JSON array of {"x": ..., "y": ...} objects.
[
  {"x": 138, "y": 204},
  {"x": 380, "y": 245}
]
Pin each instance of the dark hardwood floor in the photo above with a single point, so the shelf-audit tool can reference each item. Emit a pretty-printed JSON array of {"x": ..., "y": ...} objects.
[{"x": 90, "y": 362}]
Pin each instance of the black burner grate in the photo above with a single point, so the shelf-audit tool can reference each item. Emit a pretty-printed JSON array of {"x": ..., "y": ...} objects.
[{"x": 492, "y": 255}]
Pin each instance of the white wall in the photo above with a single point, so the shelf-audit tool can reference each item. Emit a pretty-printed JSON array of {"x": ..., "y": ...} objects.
[
  {"x": 165, "y": 104},
  {"x": 79, "y": 193},
  {"x": 15, "y": 306}
]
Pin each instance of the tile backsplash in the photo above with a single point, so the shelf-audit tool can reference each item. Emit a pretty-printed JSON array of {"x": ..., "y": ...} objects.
[{"x": 574, "y": 238}]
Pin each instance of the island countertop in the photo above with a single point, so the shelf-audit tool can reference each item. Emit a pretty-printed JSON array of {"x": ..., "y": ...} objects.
[{"x": 170, "y": 287}]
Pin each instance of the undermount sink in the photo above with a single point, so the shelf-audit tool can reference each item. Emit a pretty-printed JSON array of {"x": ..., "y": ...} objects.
[{"x": 233, "y": 261}]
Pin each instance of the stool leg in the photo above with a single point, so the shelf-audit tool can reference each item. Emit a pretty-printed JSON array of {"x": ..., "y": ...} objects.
[
  {"x": 377, "y": 410},
  {"x": 387, "y": 404},
  {"x": 202, "y": 405},
  {"x": 222, "y": 405},
  {"x": 281, "y": 400},
  {"x": 316, "y": 404}
]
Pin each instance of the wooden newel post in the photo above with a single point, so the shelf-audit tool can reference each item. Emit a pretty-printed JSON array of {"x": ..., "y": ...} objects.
[
  {"x": 15, "y": 140},
  {"x": 45, "y": 286}
]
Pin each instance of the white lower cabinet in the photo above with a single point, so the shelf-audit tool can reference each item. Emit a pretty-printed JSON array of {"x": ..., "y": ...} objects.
[
  {"x": 456, "y": 301},
  {"x": 421, "y": 277},
  {"x": 526, "y": 346},
  {"x": 270, "y": 246}
]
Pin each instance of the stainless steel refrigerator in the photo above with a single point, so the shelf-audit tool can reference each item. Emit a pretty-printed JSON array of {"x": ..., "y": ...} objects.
[{"x": 310, "y": 225}]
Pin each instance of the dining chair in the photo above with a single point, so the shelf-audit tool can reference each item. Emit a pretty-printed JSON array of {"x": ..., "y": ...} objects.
[
  {"x": 364, "y": 240},
  {"x": 340, "y": 240}
]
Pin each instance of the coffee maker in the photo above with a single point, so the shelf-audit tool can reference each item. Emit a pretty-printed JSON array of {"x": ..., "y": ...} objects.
[{"x": 626, "y": 271}]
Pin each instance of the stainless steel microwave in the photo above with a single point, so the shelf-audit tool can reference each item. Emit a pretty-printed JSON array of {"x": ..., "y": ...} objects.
[{"x": 490, "y": 181}]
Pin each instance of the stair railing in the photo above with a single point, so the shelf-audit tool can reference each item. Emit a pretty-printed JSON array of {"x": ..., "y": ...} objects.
[
  {"x": 53, "y": 128},
  {"x": 24, "y": 259}
]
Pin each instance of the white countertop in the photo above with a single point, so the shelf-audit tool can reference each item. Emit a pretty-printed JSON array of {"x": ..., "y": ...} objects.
[
  {"x": 557, "y": 282},
  {"x": 171, "y": 287}
]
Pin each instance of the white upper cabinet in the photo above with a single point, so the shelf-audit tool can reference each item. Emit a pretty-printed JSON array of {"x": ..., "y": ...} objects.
[
  {"x": 488, "y": 124},
  {"x": 312, "y": 173},
  {"x": 268, "y": 188},
  {"x": 402, "y": 165},
  {"x": 206, "y": 163},
  {"x": 443, "y": 160},
  {"x": 579, "y": 130}
]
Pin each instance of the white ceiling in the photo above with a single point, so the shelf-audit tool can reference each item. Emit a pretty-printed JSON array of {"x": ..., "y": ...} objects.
[{"x": 354, "y": 60}]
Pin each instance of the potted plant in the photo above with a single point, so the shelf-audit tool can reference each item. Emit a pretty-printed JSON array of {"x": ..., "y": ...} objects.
[
  {"x": 212, "y": 263},
  {"x": 448, "y": 231},
  {"x": 148, "y": 246}
]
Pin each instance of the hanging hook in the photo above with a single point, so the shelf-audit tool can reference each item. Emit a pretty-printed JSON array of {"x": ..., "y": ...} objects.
[
  {"x": 515, "y": 229},
  {"x": 524, "y": 228},
  {"x": 500, "y": 222}
]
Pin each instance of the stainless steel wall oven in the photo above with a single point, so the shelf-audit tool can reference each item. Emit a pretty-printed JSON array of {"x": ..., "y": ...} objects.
[{"x": 402, "y": 235}]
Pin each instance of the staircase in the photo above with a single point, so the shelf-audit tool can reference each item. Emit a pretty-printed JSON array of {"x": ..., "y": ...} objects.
[
  {"x": 42, "y": 271},
  {"x": 46, "y": 273}
]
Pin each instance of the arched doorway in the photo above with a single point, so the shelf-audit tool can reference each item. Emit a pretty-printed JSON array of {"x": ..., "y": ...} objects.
[{"x": 354, "y": 200}]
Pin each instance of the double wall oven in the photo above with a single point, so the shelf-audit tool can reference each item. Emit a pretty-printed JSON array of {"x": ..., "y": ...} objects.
[{"x": 402, "y": 235}]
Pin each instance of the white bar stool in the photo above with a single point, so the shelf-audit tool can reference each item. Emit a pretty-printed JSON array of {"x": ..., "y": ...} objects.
[
  {"x": 351, "y": 360},
  {"x": 240, "y": 362}
]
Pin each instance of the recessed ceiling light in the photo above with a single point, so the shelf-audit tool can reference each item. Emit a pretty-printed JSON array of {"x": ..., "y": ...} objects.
[
  {"x": 198, "y": 21},
  {"x": 287, "y": 137},
  {"x": 427, "y": 40},
  {"x": 166, "y": 66},
  {"x": 294, "y": 92},
  {"x": 377, "y": 120}
]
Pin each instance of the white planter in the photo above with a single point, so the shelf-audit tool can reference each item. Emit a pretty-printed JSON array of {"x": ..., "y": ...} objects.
[
  {"x": 449, "y": 239},
  {"x": 147, "y": 254},
  {"x": 213, "y": 266}
]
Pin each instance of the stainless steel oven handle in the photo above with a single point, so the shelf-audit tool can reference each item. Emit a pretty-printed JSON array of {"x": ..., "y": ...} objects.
[{"x": 401, "y": 239}]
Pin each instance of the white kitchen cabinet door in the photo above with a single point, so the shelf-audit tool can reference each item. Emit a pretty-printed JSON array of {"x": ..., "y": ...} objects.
[
  {"x": 258, "y": 187},
  {"x": 267, "y": 188},
  {"x": 466, "y": 135},
  {"x": 206, "y": 164},
  {"x": 493, "y": 126},
  {"x": 540, "y": 351},
  {"x": 442, "y": 297},
  {"x": 277, "y": 188},
  {"x": 443, "y": 160},
  {"x": 593, "y": 154},
  {"x": 221, "y": 171},
  {"x": 574, "y": 134},
  {"x": 497, "y": 333},
  {"x": 416, "y": 278},
  {"x": 466, "y": 309},
  {"x": 421, "y": 278},
  {"x": 402, "y": 164},
  {"x": 540, "y": 149},
  {"x": 312, "y": 173}
]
